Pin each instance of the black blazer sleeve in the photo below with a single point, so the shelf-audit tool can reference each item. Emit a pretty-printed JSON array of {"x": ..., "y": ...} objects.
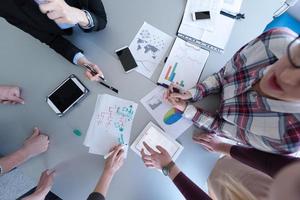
[
  {"x": 64, "y": 47},
  {"x": 97, "y": 11},
  {"x": 96, "y": 196},
  {"x": 57, "y": 42}
]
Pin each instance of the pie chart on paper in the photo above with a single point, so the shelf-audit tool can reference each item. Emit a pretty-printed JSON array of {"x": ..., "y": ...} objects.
[{"x": 172, "y": 116}]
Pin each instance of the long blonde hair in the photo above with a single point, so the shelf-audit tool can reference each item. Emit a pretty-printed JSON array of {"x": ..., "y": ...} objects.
[{"x": 233, "y": 190}]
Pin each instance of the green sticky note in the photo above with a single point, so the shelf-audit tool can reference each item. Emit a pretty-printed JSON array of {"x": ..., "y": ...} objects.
[{"x": 77, "y": 132}]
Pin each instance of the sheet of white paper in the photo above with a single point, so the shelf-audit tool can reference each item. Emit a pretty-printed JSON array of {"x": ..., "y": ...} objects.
[
  {"x": 220, "y": 37},
  {"x": 154, "y": 136},
  {"x": 184, "y": 65},
  {"x": 110, "y": 125},
  {"x": 232, "y": 5},
  {"x": 169, "y": 119},
  {"x": 213, "y": 6},
  {"x": 148, "y": 48},
  {"x": 223, "y": 25},
  {"x": 90, "y": 132}
]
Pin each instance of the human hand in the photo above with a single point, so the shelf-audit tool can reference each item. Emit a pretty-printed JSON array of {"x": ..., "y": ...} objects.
[
  {"x": 156, "y": 160},
  {"x": 171, "y": 92},
  {"x": 90, "y": 75},
  {"x": 45, "y": 183},
  {"x": 114, "y": 162},
  {"x": 36, "y": 144},
  {"x": 60, "y": 12},
  {"x": 212, "y": 142},
  {"x": 177, "y": 103},
  {"x": 10, "y": 95}
]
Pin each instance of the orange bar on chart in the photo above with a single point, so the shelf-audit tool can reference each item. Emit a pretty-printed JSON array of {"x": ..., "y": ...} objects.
[{"x": 168, "y": 73}]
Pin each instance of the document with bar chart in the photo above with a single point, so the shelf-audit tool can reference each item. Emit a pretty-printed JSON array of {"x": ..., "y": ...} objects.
[{"x": 184, "y": 65}]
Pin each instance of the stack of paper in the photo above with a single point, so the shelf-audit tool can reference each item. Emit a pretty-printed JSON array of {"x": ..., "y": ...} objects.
[
  {"x": 148, "y": 48},
  {"x": 110, "y": 125},
  {"x": 154, "y": 136}
]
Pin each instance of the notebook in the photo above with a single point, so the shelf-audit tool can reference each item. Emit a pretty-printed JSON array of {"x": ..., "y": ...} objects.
[{"x": 217, "y": 38}]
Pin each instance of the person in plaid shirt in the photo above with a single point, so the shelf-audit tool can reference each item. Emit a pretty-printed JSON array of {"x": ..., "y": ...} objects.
[{"x": 260, "y": 95}]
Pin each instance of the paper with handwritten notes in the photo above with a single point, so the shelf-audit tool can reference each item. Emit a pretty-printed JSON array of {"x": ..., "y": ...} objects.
[{"x": 110, "y": 125}]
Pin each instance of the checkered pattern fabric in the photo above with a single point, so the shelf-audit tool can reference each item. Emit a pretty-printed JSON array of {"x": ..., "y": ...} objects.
[{"x": 244, "y": 115}]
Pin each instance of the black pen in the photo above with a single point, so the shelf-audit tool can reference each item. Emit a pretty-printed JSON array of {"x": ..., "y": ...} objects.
[
  {"x": 232, "y": 15},
  {"x": 110, "y": 87},
  {"x": 100, "y": 82},
  {"x": 93, "y": 71},
  {"x": 176, "y": 90}
]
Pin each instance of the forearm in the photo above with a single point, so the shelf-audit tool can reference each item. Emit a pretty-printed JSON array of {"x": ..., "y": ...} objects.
[
  {"x": 103, "y": 183},
  {"x": 56, "y": 42},
  {"x": 13, "y": 160},
  {"x": 174, "y": 172},
  {"x": 187, "y": 187},
  {"x": 263, "y": 161},
  {"x": 210, "y": 85},
  {"x": 35, "y": 196},
  {"x": 64, "y": 47},
  {"x": 200, "y": 117}
]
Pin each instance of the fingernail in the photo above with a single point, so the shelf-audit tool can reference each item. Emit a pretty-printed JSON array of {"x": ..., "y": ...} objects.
[{"x": 23, "y": 102}]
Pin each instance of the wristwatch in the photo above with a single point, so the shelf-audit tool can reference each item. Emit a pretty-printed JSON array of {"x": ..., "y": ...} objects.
[
  {"x": 90, "y": 20},
  {"x": 1, "y": 170},
  {"x": 166, "y": 169}
]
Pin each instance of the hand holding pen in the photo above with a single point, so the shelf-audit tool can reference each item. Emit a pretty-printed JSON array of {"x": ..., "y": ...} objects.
[
  {"x": 112, "y": 151},
  {"x": 93, "y": 72},
  {"x": 175, "y": 92},
  {"x": 176, "y": 97},
  {"x": 115, "y": 160}
]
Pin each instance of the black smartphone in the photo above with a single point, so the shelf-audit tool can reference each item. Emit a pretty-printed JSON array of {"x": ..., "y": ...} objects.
[
  {"x": 66, "y": 95},
  {"x": 201, "y": 15},
  {"x": 126, "y": 58}
]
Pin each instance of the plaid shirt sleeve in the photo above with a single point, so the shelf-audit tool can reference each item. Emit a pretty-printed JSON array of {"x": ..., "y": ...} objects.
[
  {"x": 210, "y": 85},
  {"x": 211, "y": 122},
  {"x": 203, "y": 118},
  {"x": 200, "y": 117}
]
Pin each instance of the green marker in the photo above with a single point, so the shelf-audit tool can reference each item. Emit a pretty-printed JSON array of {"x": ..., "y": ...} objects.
[{"x": 77, "y": 132}]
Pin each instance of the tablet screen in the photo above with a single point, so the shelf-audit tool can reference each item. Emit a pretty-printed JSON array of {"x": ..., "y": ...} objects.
[{"x": 66, "y": 95}]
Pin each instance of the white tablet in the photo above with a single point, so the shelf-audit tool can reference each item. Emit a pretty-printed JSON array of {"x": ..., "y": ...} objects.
[
  {"x": 66, "y": 95},
  {"x": 154, "y": 136}
]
